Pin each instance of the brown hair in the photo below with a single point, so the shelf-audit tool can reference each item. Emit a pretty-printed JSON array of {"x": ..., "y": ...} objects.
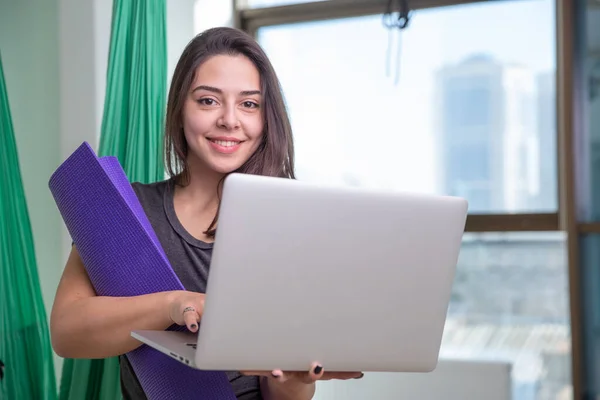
[{"x": 275, "y": 154}]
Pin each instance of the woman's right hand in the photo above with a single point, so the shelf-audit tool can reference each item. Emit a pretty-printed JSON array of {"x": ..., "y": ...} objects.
[{"x": 186, "y": 308}]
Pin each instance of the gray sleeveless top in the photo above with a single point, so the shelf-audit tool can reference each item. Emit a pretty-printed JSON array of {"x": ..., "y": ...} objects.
[{"x": 190, "y": 259}]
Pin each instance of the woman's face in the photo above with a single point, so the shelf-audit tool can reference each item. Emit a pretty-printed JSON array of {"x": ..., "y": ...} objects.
[{"x": 222, "y": 116}]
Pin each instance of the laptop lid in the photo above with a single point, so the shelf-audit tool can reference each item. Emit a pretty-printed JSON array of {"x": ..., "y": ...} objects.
[{"x": 359, "y": 280}]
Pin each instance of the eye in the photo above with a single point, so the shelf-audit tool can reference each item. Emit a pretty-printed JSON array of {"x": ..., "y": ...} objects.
[
  {"x": 207, "y": 102},
  {"x": 250, "y": 104}
]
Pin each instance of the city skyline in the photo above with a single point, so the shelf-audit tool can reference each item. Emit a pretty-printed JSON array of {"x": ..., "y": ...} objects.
[{"x": 495, "y": 135}]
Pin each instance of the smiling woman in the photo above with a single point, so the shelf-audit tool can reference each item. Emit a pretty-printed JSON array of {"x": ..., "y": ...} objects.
[
  {"x": 236, "y": 89},
  {"x": 225, "y": 114}
]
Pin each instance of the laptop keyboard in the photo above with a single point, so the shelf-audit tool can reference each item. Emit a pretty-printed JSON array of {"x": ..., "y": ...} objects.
[{"x": 192, "y": 345}]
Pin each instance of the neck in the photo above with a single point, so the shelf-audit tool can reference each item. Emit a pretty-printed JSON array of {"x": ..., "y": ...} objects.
[{"x": 201, "y": 192}]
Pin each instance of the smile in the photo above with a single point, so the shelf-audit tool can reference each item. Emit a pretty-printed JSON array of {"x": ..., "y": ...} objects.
[
  {"x": 226, "y": 146},
  {"x": 225, "y": 143}
]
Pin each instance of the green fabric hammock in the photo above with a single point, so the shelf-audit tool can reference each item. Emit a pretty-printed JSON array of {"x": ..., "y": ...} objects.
[
  {"x": 132, "y": 130},
  {"x": 24, "y": 338}
]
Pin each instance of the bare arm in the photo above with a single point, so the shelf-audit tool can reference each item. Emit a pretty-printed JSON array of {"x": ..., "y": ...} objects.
[{"x": 84, "y": 325}]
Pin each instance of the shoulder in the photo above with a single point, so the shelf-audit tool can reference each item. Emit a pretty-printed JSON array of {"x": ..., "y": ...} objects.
[
  {"x": 152, "y": 196},
  {"x": 150, "y": 191},
  {"x": 150, "y": 187}
]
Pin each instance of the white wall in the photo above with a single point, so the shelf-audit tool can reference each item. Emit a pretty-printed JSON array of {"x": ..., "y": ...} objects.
[
  {"x": 180, "y": 30},
  {"x": 211, "y": 13},
  {"x": 29, "y": 48},
  {"x": 84, "y": 35}
]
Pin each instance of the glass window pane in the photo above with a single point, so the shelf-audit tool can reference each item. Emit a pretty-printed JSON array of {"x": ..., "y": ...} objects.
[
  {"x": 592, "y": 114},
  {"x": 510, "y": 302},
  {"x": 472, "y": 112}
]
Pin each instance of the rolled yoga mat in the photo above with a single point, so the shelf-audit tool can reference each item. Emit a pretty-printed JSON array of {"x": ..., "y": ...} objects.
[{"x": 123, "y": 257}]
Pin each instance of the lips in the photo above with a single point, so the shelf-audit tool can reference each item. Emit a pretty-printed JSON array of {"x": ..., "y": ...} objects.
[{"x": 225, "y": 145}]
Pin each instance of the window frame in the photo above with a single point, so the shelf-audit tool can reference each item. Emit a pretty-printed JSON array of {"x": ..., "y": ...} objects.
[
  {"x": 251, "y": 19},
  {"x": 568, "y": 91}
]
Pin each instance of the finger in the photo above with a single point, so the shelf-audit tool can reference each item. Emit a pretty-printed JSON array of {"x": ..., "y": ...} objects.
[
  {"x": 279, "y": 375},
  {"x": 316, "y": 371},
  {"x": 191, "y": 318},
  {"x": 276, "y": 374}
]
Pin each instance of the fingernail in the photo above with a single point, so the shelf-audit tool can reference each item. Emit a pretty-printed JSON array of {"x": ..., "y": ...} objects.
[
  {"x": 360, "y": 376},
  {"x": 193, "y": 326},
  {"x": 275, "y": 375},
  {"x": 318, "y": 369}
]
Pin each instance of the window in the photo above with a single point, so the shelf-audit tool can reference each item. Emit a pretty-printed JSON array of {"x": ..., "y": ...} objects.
[
  {"x": 353, "y": 122},
  {"x": 510, "y": 302},
  {"x": 459, "y": 103},
  {"x": 467, "y": 101},
  {"x": 469, "y": 180}
]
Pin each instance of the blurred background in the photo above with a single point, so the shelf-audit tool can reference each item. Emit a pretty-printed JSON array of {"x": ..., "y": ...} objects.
[{"x": 496, "y": 101}]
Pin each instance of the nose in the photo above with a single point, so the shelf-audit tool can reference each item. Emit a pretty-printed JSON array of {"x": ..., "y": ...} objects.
[{"x": 229, "y": 119}]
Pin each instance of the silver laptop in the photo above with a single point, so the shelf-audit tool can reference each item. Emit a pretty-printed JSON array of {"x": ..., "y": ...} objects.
[
  {"x": 356, "y": 279},
  {"x": 451, "y": 380}
]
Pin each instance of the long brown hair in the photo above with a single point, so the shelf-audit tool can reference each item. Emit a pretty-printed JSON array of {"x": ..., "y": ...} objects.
[{"x": 275, "y": 154}]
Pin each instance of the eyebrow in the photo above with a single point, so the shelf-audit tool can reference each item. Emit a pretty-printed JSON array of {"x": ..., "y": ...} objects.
[{"x": 217, "y": 90}]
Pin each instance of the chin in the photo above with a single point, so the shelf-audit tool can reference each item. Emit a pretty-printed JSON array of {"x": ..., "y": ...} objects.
[{"x": 225, "y": 166}]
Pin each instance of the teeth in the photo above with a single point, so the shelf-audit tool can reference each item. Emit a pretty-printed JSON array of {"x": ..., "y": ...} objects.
[{"x": 225, "y": 143}]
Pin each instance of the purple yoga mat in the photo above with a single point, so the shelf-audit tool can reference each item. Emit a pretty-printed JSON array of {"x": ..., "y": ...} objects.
[{"x": 123, "y": 257}]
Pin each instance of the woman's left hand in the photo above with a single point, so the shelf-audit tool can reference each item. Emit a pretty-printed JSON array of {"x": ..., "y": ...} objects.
[{"x": 315, "y": 373}]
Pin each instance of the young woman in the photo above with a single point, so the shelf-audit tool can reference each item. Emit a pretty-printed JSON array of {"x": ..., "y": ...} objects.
[{"x": 225, "y": 113}]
